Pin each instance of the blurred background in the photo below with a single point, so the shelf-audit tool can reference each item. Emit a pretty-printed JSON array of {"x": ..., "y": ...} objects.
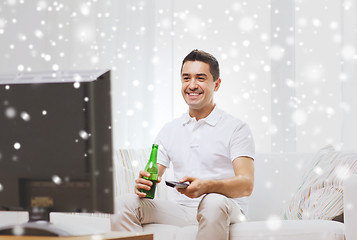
[{"x": 288, "y": 67}]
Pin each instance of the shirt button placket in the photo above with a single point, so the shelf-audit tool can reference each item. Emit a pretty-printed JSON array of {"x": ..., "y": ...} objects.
[{"x": 194, "y": 149}]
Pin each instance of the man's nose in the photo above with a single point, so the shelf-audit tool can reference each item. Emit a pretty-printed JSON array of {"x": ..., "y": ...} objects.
[{"x": 193, "y": 84}]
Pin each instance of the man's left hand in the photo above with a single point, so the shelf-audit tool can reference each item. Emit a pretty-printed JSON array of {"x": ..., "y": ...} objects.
[{"x": 197, "y": 187}]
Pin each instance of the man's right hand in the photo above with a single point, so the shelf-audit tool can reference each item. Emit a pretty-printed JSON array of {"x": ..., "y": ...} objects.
[{"x": 142, "y": 183}]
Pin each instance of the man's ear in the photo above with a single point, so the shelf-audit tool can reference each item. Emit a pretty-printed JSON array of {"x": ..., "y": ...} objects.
[{"x": 217, "y": 84}]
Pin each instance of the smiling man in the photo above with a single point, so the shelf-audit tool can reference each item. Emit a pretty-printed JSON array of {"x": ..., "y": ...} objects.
[
  {"x": 198, "y": 87},
  {"x": 209, "y": 149}
]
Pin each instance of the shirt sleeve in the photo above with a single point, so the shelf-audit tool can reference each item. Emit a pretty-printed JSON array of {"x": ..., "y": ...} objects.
[
  {"x": 162, "y": 155},
  {"x": 242, "y": 142}
]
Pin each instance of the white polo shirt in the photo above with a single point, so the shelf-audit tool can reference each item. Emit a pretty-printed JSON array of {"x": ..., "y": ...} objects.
[{"x": 204, "y": 149}]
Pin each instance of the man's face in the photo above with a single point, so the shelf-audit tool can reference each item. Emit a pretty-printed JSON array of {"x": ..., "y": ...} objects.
[{"x": 198, "y": 86}]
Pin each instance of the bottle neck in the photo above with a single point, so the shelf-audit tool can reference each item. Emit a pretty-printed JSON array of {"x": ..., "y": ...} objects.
[{"x": 153, "y": 156}]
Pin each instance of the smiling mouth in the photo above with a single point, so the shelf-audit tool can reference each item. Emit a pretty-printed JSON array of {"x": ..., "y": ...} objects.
[{"x": 194, "y": 94}]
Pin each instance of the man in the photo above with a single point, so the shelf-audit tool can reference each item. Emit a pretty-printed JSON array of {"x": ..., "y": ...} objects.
[{"x": 208, "y": 148}]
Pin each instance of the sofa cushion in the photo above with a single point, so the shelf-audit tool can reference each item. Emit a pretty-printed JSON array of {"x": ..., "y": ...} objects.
[
  {"x": 320, "y": 195},
  {"x": 288, "y": 230},
  {"x": 162, "y": 231},
  {"x": 259, "y": 230},
  {"x": 277, "y": 176}
]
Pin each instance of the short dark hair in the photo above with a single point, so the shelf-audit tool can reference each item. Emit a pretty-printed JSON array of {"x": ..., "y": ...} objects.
[{"x": 202, "y": 56}]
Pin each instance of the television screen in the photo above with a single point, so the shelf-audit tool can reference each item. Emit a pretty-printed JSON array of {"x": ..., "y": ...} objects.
[{"x": 56, "y": 142}]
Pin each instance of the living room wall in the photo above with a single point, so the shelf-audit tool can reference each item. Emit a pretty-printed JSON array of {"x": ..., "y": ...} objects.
[{"x": 288, "y": 67}]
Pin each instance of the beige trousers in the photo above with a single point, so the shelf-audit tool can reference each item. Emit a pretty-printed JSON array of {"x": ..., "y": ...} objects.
[{"x": 214, "y": 215}]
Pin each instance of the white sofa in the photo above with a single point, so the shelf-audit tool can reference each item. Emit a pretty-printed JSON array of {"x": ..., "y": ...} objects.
[{"x": 277, "y": 177}]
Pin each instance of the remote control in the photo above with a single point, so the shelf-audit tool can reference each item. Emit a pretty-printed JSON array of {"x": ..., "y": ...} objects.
[{"x": 175, "y": 184}]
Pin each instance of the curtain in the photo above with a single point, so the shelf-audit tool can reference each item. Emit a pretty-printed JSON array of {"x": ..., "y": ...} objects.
[{"x": 288, "y": 68}]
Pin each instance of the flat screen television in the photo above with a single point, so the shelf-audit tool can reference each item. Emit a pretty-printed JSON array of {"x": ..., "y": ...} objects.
[{"x": 56, "y": 143}]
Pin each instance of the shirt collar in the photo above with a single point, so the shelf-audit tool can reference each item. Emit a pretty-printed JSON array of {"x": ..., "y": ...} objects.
[{"x": 212, "y": 119}]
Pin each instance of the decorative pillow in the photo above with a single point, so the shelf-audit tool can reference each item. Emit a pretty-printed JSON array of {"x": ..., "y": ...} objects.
[
  {"x": 320, "y": 195},
  {"x": 127, "y": 164}
]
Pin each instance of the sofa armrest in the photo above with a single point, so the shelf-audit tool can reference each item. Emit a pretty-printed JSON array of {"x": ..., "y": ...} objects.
[{"x": 350, "y": 207}]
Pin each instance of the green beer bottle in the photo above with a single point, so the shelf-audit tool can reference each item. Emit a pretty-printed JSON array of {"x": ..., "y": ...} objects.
[{"x": 151, "y": 167}]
